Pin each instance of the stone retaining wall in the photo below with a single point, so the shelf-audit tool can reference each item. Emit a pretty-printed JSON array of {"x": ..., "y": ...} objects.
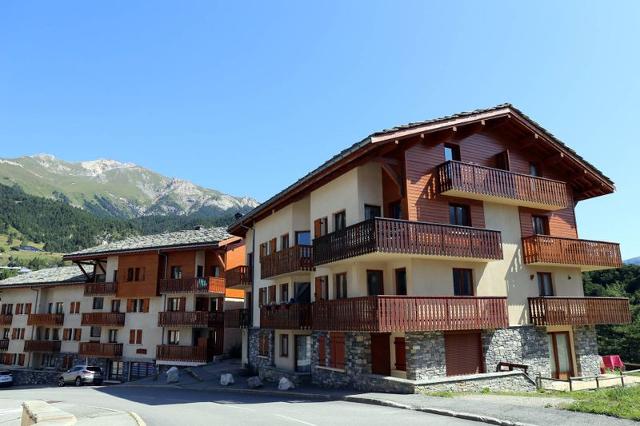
[
  {"x": 507, "y": 381},
  {"x": 23, "y": 376},
  {"x": 586, "y": 345},
  {"x": 520, "y": 345},
  {"x": 255, "y": 359},
  {"x": 273, "y": 374}
]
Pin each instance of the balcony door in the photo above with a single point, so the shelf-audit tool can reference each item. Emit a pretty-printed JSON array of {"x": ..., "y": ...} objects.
[
  {"x": 375, "y": 285},
  {"x": 303, "y": 353},
  {"x": 560, "y": 354},
  {"x": 302, "y": 292}
]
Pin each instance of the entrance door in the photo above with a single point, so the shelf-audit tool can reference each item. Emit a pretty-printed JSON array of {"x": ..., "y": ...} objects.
[
  {"x": 303, "y": 353},
  {"x": 560, "y": 353},
  {"x": 463, "y": 353},
  {"x": 380, "y": 354}
]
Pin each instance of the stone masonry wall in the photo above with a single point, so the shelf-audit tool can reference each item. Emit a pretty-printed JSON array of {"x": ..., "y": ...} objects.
[
  {"x": 357, "y": 362},
  {"x": 255, "y": 360},
  {"x": 521, "y": 345},
  {"x": 586, "y": 347},
  {"x": 425, "y": 355},
  {"x": 515, "y": 382}
]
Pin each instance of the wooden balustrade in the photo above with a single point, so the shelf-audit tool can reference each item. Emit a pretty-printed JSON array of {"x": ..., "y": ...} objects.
[
  {"x": 571, "y": 251},
  {"x": 290, "y": 316},
  {"x": 4, "y": 344},
  {"x": 410, "y": 313},
  {"x": 193, "y": 285},
  {"x": 201, "y": 319},
  {"x": 181, "y": 353},
  {"x": 237, "y": 318},
  {"x": 42, "y": 345},
  {"x": 407, "y": 237},
  {"x": 579, "y": 310},
  {"x": 240, "y": 276},
  {"x": 292, "y": 259},
  {"x": 45, "y": 319},
  {"x": 103, "y": 319},
  {"x": 100, "y": 350},
  {"x": 6, "y": 319},
  {"x": 100, "y": 289},
  {"x": 486, "y": 183}
]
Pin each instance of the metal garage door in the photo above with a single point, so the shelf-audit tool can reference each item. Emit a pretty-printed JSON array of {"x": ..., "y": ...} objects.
[{"x": 463, "y": 353}]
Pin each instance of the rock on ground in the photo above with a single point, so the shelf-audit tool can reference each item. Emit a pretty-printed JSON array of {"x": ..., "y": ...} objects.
[
  {"x": 173, "y": 376},
  {"x": 285, "y": 384},
  {"x": 254, "y": 382},
  {"x": 226, "y": 379}
]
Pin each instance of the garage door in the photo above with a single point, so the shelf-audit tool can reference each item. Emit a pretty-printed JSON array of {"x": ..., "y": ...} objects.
[{"x": 463, "y": 353}]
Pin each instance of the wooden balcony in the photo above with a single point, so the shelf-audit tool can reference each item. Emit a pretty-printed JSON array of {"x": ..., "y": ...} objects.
[
  {"x": 500, "y": 186},
  {"x": 239, "y": 277},
  {"x": 4, "y": 344},
  {"x": 115, "y": 319},
  {"x": 42, "y": 345},
  {"x": 237, "y": 318},
  {"x": 100, "y": 350},
  {"x": 579, "y": 310},
  {"x": 192, "y": 285},
  {"x": 100, "y": 289},
  {"x": 6, "y": 319},
  {"x": 588, "y": 255},
  {"x": 410, "y": 313},
  {"x": 190, "y": 354},
  {"x": 294, "y": 316},
  {"x": 200, "y": 319},
  {"x": 408, "y": 237},
  {"x": 45, "y": 319},
  {"x": 293, "y": 259}
]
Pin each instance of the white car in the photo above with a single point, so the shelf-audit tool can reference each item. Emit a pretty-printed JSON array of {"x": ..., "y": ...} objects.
[
  {"x": 80, "y": 375},
  {"x": 6, "y": 378}
]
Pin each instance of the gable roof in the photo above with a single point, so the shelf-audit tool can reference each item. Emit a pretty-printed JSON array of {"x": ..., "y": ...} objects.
[
  {"x": 410, "y": 129},
  {"x": 58, "y": 275}
]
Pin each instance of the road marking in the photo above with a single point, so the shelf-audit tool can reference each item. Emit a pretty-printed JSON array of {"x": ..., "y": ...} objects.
[
  {"x": 234, "y": 406},
  {"x": 294, "y": 419}
]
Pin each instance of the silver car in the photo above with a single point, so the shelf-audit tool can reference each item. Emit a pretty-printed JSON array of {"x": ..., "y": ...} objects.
[
  {"x": 6, "y": 378},
  {"x": 81, "y": 374}
]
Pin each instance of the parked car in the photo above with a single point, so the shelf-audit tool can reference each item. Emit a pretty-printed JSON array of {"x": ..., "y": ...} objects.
[
  {"x": 6, "y": 378},
  {"x": 80, "y": 375}
]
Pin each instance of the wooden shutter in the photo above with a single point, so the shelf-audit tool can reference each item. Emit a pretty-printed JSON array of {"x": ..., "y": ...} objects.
[
  {"x": 463, "y": 353},
  {"x": 139, "y": 337},
  {"x": 272, "y": 245},
  {"x": 132, "y": 337},
  {"x": 66, "y": 334},
  {"x": 145, "y": 305},
  {"x": 272, "y": 294},
  {"x": 13, "y": 333},
  {"x": 337, "y": 350},
  {"x": 27, "y": 308},
  {"x": 129, "y": 305},
  {"x": 317, "y": 228},
  {"x": 322, "y": 351},
  {"x": 21, "y": 359},
  {"x": 182, "y": 304},
  {"x": 401, "y": 357},
  {"x": 261, "y": 296}
]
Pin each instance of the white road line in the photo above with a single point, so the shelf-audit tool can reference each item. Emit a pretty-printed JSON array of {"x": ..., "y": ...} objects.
[
  {"x": 234, "y": 406},
  {"x": 294, "y": 420}
]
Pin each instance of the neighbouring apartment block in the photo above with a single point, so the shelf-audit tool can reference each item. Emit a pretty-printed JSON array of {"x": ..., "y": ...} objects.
[
  {"x": 128, "y": 306},
  {"x": 428, "y": 251}
]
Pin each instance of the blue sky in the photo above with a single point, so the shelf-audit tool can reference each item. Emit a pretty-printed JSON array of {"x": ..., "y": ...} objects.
[{"x": 248, "y": 96}]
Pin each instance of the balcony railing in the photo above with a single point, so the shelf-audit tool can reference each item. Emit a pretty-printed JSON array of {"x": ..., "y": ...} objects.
[
  {"x": 292, "y": 259},
  {"x": 181, "y": 353},
  {"x": 236, "y": 318},
  {"x": 4, "y": 344},
  {"x": 407, "y": 237},
  {"x": 100, "y": 289},
  {"x": 240, "y": 276},
  {"x": 293, "y": 316},
  {"x": 201, "y": 319},
  {"x": 410, "y": 313},
  {"x": 579, "y": 310},
  {"x": 192, "y": 285},
  {"x": 45, "y": 319},
  {"x": 103, "y": 319},
  {"x": 6, "y": 319},
  {"x": 100, "y": 350},
  {"x": 486, "y": 183},
  {"x": 42, "y": 345},
  {"x": 571, "y": 251}
]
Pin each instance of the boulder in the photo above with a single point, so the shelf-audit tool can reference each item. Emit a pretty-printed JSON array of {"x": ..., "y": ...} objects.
[
  {"x": 285, "y": 384},
  {"x": 254, "y": 382},
  {"x": 226, "y": 379},
  {"x": 173, "y": 376}
]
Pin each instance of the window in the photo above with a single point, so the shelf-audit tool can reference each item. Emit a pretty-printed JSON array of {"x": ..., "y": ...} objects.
[
  {"x": 272, "y": 294},
  {"x": 199, "y": 271},
  {"x": 50, "y": 308},
  {"x": 336, "y": 355},
  {"x": 545, "y": 284},
  {"x": 263, "y": 345},
  {"x": 19, "y": 308},
  {"x": 320, "y": 227},
  {"x": 113, "y": 335},
  {"x": 55, "y": 334},
  {"x": 462, "y": 282},
  {"x": 98, "y": 302},
  {"x": 459, "y": 215},
  {"x": 5, "y": 333},
  {"x": 77, "y": 334},
  {"x": 534, "y": 170},
  {"x": 115, "y": 275},
  {"x": 176, "y": 272},
  {"x": 7, "y": 309},
  {"x": 175, "y": 304},
  {"x": 262, "y": 296},
  {"x": 272, "y": 246},
  {"x": 27, "y": 308},
  {"x": 174, "y": 337},
  {"x": 135, "y": 337},
  {"x": 401, "y": 282},
  {"x": 263, "y": 249},
  {"x": 339, "y": 221},
  {"x": 375, "y": 284},
  {"x": 372, "y": 211},
  {"x": 130, "y": 274},
  {"x": 451, "y": 152},
  {"x": 284, "y": 293},
  {"x": 138, "y": 305},
  {"x": 66, "y": 334},
  {"x": 59, "y": 308},
  {"x": 115, "y": 305},
  {"x": 139, "y": 274},
  {"x": 215, "y": 271},
  {"x": 540, "y": 224},
  {"x": 284, "y": 345},
  {"x": 284, "y": 242},
  {"x": 303, "y": 238},
  {"x": 95, "y": 331},
  {"x": 322, "y": 288},
  {"x": 302, "y": 292},
  {"x": 74, "y": 307},
  {"x": 341, "y": 285},
  {"x": 395, "y": 210}
]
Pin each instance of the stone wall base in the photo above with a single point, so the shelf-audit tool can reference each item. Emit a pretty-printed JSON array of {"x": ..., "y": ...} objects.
[
  {"x": 509, "y": 381},
  {"x": 273, "y": 374}
]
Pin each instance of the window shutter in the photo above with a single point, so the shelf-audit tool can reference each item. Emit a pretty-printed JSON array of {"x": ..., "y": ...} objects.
[
  {"x": 318, "y": 289},
  {"x": 21, "y": 359},
  {"x": 129, "y": 305},
  {"x": 322, "y": 355},
  {"x": 77, "y": 334},
  {"x": 272, "y": 294},
  {"x": 183, "y": 304},
  {"x": 401, "y": 358},
  {"x": 139, "y": 337},
  {"x": 337, "y": 350},
  {"x": 27, "y": 308},
  {"x": 272, "y": 245},
  {"x": 145, "y": 305},
  {"x": 132, "y": 337},
  {"x": 317, "y": 228},
  {"x": 13, "y": 333}
]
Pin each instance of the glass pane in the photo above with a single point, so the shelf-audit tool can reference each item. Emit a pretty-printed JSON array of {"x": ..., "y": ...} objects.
[
  {"x": 552, "y": 355},
  {"x": 563, "y": 353},
  {"x": 303, "y": 238},
  {"x": 303, "y": 353}
]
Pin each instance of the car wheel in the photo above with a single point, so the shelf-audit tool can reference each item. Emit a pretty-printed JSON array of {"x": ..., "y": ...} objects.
[
  {"x": 78, "y": 381},
  {"x": 61, "y": 382}
]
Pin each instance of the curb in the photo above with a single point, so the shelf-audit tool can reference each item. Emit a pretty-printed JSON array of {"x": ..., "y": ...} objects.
[{"x": 137, "y": 418}]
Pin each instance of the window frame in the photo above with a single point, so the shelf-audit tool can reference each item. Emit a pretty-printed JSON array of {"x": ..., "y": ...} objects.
[
  {"x": 340, "y": 284},
  {"x": 459, "y": 275},
  {"x": 339, "y": 220},
  {"x": 455, "y": 152},
  {"x": 454, "y": 217},
  {"x": 540, "y": 277},
  {"x": 284, "y": 345}
]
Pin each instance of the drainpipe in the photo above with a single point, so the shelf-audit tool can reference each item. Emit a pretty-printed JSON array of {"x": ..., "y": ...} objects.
[
  {"x": 33, "y": 329},
  {"x": 164, "y": 296}
]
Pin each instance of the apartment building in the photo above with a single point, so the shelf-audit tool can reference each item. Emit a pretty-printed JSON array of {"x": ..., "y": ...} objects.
[
  {"x": 128, "y": 306},
  {"x": 428, "y": 251}
]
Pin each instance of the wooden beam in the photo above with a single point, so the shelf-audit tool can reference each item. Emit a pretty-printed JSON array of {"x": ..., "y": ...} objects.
[
  {"x": 221, "y": 261},
  {"x": 87, "y": 276},
  {"x": 386, "y": 160},
  {"x": 395, "y": 177}
]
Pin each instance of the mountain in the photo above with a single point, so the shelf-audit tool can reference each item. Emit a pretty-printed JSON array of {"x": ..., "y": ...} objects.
[
  {"x": 110, "y": 188},
  {"x": 633, "y": 261}
]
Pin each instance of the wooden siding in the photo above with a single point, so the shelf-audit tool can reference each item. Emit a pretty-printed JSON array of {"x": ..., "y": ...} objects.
[
  {"x": 6, "y": 319},
  {"x": 181, "y": 353},
  {"x": 238, "y": 276},
  {"x": 191, "y": 319},
  {"x": 579, "y": 310},
  {"x": 144, "y": 288},
  {"x": 236, "y": 318},
  {"x": 193, "y": 285},
  {"x": 570, "y": 251},
  {"x": 562, "y": 223}
]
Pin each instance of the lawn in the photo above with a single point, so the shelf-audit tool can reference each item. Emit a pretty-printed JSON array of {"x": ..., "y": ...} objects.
[{"x": 617, "y": 402}]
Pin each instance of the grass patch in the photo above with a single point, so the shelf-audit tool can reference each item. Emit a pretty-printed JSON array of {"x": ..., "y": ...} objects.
[
  {"x": 440, "y": 394},
  {"x": 616, "y": 402}
]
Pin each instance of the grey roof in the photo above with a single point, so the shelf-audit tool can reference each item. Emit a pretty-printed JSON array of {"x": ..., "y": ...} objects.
[
  {"x": 202, "y": 236},
  {"x": 61, "y": 274}
]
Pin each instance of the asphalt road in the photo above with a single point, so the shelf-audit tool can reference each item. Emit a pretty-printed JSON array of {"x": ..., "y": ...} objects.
[{"x": 162, "y": 406}]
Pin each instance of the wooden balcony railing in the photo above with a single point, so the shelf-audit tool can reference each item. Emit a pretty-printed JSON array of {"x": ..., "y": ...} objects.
[
  {"x": 193, "y": 285},
  {"x": 292, "y": 259},
  {"x": 571, "y": 251},
  {"x": 407, "y": 237},
  {"x": 103, "y": 318},
  {"x": 410, "y": 313},
  {"x": 201, "y": 319},
  {"x": 236, "y": 318},
  {"x": 579, "y": 310},
  {"x": 100, "y": 350},
  {"x": 6, "y": 319},
  {"x": 45, "y": 319},
  {"x": 42, "y": 345},
  {"x": 181, "y": 353},
  {"x": 100, "y": 289},
  {"x": 4, "y": 344},
  {"x": 486, "y": 183},
  {"x": 293, "y": 316},
  {"x": 240, "y": 276}
]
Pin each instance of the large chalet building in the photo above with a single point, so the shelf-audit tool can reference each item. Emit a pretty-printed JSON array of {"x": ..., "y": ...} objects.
[{"x": 428, "y": 251}]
